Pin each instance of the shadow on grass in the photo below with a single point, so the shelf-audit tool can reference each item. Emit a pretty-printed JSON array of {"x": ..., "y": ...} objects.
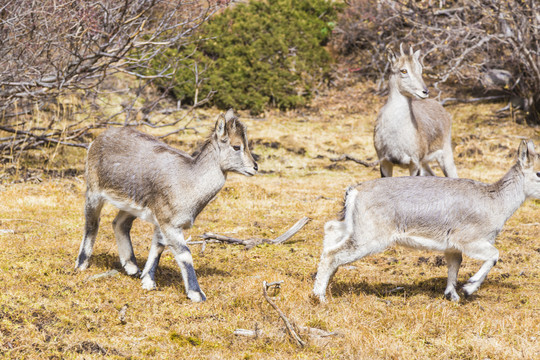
[
  {"x": 432, "y": 287},
  {"x": 106, "y": 261},
  {"x": 165, "y": 275},
  {"x": 171, "y": 276}
]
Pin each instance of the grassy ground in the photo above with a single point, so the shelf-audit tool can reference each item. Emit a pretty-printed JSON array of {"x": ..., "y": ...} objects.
[{"x": 387, "y": 306}]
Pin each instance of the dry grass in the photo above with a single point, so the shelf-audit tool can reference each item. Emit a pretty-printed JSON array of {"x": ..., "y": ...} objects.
[{"x": 385, "y": 306}]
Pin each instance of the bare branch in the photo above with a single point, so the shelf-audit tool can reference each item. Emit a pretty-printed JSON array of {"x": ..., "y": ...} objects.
[
  {"x": 471, "y": 100},
  {"x": 250, "y": 333},
  {"x": 252, "y": 242},
  {"x": 286, "y": 321},
  {"x": 53, "y": 48},
  {"x": 358, "y": 161},
  {"x": 293, "y": 230},
  {"x": 461, "y": 44}
]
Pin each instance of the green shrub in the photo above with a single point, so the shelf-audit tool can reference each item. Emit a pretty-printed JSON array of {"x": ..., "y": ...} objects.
[{"x": 258, "y": 54}]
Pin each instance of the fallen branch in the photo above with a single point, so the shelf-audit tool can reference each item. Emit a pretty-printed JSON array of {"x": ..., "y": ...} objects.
[
  {"x": 251, "y": 242},
  {"x": 317, "y": 333},
  {"x": 358, "y": 161},
  {"x": 486, "y": 98},
  {"x": 288, "y": 325},
  {"x": 224, "y": 238},
  {"x": 293, "y": 230},
  {"x": 255, "y": 333}
]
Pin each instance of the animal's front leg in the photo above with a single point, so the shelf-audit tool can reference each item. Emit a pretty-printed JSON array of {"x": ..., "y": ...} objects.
[
  {"x": 481, "y": 250},
  {"x": 174, "y": 238}
]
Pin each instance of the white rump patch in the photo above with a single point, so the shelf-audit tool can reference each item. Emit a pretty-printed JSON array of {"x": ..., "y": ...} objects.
[
  {"x": 349, "y": 209},
  {"x": 335, "y": 231}
]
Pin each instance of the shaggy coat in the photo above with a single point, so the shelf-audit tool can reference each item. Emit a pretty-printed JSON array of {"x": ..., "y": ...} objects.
[
  {"x": 412, "y": 130},
  {"x": 456, "y": 216},
  {"x": 145, "y": 178}
]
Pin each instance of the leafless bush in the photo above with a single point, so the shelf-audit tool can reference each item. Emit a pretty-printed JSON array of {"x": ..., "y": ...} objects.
[
  {"x": 492, "y": 44},
  {"x": 52, "y": 48}
]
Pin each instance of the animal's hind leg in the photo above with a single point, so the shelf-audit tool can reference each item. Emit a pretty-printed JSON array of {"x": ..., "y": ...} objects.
[
  {"x": 92, "y": 210},
  {"x": 453, "y": 259},
  {"x": 386, "y": 168},
  {"x": 335, "y": 234},
  {"x": 122, "y": 226},
  {"x": 414, "y": 169},
  {"x": 446, "y": 162},
  {"x": 425, "y": 170},
  {"x": 343, "y": 249},
  {"x": 481, "y": 250},
  {"x": 148, "y": 274}
]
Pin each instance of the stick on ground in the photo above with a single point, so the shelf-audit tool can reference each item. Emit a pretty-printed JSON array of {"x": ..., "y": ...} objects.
[
  {"x": 288, "y": 325},
  {"x": 358, "y": 161},
  {"x": 249, "y": 243}
]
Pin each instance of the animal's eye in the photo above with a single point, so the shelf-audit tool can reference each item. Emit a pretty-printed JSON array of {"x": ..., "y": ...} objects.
[
  {"x": 236, "y": 147},
  {"x": 538, "y": 174},
  {"x": 403, "y": 71}
]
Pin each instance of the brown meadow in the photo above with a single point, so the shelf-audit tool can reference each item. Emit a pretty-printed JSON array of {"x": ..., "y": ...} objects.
[{"x": 387, "y": 306}]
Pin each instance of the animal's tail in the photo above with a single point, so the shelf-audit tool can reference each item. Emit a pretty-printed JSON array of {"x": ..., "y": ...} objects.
[{"x": 338, "y": 231}]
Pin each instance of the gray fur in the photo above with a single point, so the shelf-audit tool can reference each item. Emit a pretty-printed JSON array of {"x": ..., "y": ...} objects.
[
  {"x": 146, "y": 178},
  {"x": 446, "y": 214},
  {"x": 412, "y": 130}
]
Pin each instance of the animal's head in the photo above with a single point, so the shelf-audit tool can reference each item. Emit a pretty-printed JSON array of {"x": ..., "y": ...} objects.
[
  {"x": 529, "y": 161},
  {"x": 408, "y": 71},
  {"x": 231, "y": 137}
]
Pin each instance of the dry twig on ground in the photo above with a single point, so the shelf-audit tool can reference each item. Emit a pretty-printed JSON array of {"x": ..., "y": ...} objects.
[
  {"x": 345, "y": 157},
  {"x": 251, "y": 242},
  {"x": 286, "y": 321}
]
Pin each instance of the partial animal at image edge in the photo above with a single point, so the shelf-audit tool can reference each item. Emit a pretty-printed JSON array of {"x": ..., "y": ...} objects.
[{"x": 456, "y": 216}]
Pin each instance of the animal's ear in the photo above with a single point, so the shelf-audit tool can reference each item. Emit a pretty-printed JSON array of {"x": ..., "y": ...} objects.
[
  {"x": 531, "y": 152},
  {"x": 392, "y": 59},
  {"x": 401, "y": 49},
  {"x": 221, "y": 125},
  {"x": 416, "y": 55},
  {"x": 229, "y": 115},
  {"x": 526, "y": 153}
]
